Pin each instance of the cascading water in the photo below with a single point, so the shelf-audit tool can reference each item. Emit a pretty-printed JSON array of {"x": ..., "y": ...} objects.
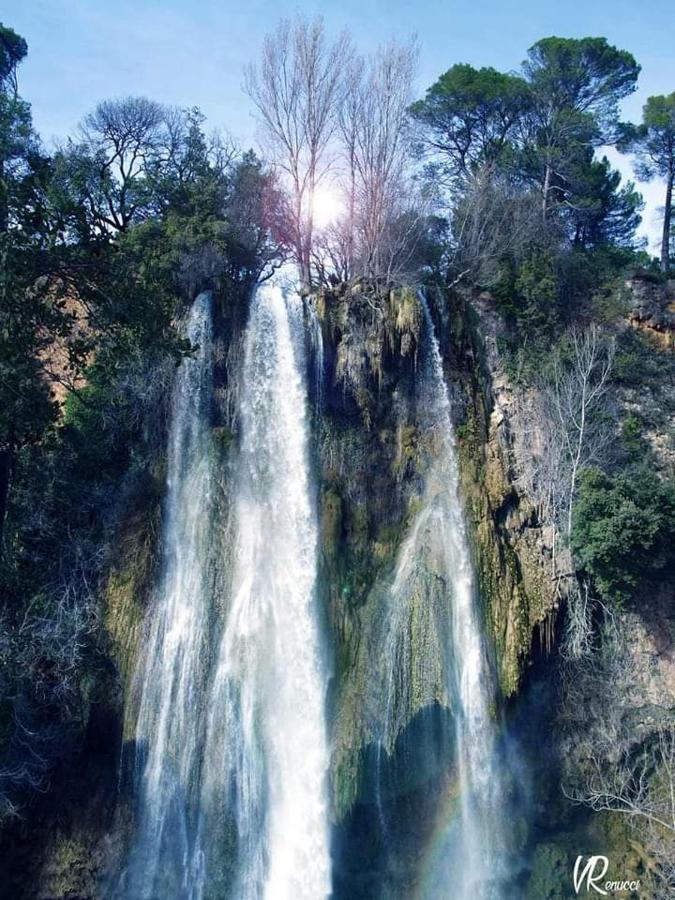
[
  {"x": 171, "y": 669},
  {"x": 232, "y": 753},
  {"x": 435, "y": 558},
  {"x": 267, "y": 740},
  {"x": 479, "y": 776}
]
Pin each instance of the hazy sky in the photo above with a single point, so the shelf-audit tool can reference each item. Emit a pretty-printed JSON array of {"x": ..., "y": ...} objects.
[{"x": 193, "y": 53}]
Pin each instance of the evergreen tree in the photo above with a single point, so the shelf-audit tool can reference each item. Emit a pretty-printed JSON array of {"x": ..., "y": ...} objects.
[{"x": 653, "y": 143}]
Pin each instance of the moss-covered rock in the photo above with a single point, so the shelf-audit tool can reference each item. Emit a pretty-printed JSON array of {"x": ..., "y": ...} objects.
[
  {"x": 511, "y": 550},
  {"x": 132, "y": 573}
]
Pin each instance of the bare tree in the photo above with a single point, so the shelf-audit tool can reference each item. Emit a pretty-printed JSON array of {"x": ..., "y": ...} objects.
[
  {"x": 297, "y": 91},
  {"x": 41, "y": 663},
  {"x": 378, "y": 149},
  {"x": 579, "y": 386},
  {"x": 121, "y": 136},
  {"x": 183, "y": 151},
  {"x": 566, "y": 426},
  {"x": 492, "y": 219},
  {"x": 640, "y": 784},
  {"x": 349, "y": 121},
  {"x": 570, "y": 426},
  {"x": 384, "y": 211}
]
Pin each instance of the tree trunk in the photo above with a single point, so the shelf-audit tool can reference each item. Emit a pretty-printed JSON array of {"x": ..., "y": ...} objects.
[
  {"x": 309, "y": 226},
  {"x": 667, "y": 215},
  {"x": 299, "y": 240},
  {"x": 5, "y": 472},
  {"x": 545, "y": 191}
]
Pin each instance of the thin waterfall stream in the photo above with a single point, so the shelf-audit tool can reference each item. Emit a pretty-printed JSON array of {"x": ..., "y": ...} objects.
[
  {"x": 433, "y": 593},
  {"x": 473, "y": 863},
  {"x": 171, "y": 668}
]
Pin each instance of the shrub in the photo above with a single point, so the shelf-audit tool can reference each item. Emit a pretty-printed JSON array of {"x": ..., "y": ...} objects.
[{"x": 623, "y": 530}]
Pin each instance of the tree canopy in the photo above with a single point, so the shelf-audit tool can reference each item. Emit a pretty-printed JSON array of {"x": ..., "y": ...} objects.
[
  {"x": 470, "y": 114},
  {"x": 13, "y": 49}
]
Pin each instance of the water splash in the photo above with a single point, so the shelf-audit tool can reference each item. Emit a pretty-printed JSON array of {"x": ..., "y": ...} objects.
[
  {"x": 171, "y": 668},
  {"x": 266, "y": 733}
]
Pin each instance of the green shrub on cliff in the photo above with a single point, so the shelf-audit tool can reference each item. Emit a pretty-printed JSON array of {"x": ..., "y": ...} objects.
[{"x": 623, "y": 530}]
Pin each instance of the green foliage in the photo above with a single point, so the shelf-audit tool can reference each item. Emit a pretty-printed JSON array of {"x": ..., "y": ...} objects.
[
  {"x": 536, "y": 287},
  {"x": 30, "y": 318},
  {"x": 13, "y": 49},
  {"x": 470, "y": 114},
  {"x": 632, "y": 438},
  {"x": 581, "y": 75},
  {"x": 637, "y": 365},
  {"x": 534, "y": 214},
  {"x": 528, "y": 295},
  {"x": 623, "y": 531},
  {"x": 653, "y": 142},
  {"x": 548, "y": 288},
  {"x": 575, "y": 86},
  {"x": 600, "y": 210}
]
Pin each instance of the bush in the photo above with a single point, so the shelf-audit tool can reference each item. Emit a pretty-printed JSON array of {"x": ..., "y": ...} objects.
[{"x": 623, "y": 532}]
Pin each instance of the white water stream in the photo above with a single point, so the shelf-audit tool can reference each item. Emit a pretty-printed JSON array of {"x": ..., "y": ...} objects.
[
  {"x": 267, "y": 733},
  {"x": 171, "y": 667},
  {"x": 437, "y": 551}
]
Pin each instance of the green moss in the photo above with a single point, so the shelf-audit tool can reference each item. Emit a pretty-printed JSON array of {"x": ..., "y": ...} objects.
[
  {"x": 609, "y": 834},
  {"x": 346, "y": 768},
  {"x": 223, "y": 438},
  {"x": 68, "y": 872},
  {"x": 407, "y": 448},
  {"x": 131, "y": 578},
  {"x": 404, "y": 320},
  {"x": 331, "y": 522}
]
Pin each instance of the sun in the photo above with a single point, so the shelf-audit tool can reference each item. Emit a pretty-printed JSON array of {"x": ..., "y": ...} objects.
[{"x": 326, "y": 206}]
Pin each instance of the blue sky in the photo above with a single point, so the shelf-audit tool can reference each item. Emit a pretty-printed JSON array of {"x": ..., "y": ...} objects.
[{"x": 193, "y": 53}]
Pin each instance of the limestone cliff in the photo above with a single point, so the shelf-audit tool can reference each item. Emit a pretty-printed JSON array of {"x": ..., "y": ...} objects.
[
  {"x": 372, "y": 453},
  {"x": 372, "y": 460}
]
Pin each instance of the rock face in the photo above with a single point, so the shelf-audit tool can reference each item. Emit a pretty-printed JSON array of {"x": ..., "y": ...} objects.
[
  {"x": 649, "y": 698},
  {"x": 652, "y": 308},
  {"x": 371, "y": 454},
  {"x": 372, "y": 459},
  {"x": 513, "y": 551}
]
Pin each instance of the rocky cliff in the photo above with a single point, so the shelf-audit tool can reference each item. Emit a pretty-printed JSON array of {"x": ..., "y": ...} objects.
[{"x": 372, "y": 452}]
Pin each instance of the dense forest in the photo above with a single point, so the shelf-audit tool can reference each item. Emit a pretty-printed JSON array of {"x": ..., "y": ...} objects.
[{"x": 484, "y": 212}]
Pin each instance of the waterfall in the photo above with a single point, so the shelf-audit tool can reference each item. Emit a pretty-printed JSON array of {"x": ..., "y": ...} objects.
[
  {"x": 474, "y": 859},
  {"x": 231, "y": 739},
  {"x": 434, "y": 594},
  {"x": 171, "y": 666},
  {"x": 266, "y": 740}
]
